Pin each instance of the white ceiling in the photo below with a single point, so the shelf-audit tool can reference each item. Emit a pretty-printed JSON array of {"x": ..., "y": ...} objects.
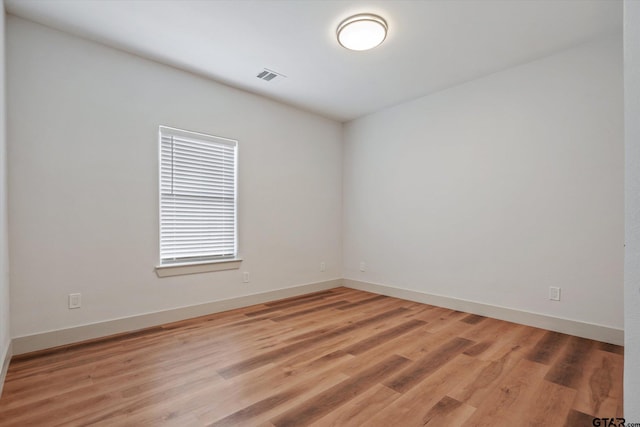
[{"x": 432, "y": 44}]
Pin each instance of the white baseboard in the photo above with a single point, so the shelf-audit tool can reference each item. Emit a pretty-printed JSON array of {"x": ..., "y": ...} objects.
[
  {"x": 44, "y": 340},
  {"x": 40, "y": 341},
  {"x": 5, "y": 365},
  {"x": 566, "y": 326}
]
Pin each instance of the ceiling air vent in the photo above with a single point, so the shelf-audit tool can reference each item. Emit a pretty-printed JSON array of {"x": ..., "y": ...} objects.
[{"x": 269, "y": 75}]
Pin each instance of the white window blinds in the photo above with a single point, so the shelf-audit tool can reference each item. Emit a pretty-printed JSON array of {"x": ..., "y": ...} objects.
[{"x": 197, "y": 197}]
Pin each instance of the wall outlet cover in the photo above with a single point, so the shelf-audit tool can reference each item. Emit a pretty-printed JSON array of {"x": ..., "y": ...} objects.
[{"x": 75, "y": 301}]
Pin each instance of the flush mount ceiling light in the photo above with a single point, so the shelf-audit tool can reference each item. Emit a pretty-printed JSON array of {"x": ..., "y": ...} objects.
[{"x": 362, "y": 32}]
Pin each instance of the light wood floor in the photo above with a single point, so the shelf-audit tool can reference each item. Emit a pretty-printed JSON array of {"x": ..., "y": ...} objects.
[{"x": 340, "y": 357}]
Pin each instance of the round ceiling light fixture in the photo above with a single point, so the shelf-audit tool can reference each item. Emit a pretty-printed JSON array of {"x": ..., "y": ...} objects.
[{"x": 362, "y": 32}]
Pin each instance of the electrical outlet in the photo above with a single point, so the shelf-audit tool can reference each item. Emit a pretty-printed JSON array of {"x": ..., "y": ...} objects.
[
  {"x": 75, "y": 300},
  {"x": 245, "y": 277},
  {"x": 363, "y": 266},
  {"x": 323, "y": 266},
  {"x": 554, "y": 293}
]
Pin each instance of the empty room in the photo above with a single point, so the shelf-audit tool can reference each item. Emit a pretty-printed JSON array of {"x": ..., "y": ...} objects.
[{"x": 319, "y": 212}]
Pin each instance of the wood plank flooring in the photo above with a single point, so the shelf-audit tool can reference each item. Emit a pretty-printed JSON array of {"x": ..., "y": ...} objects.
[{"x": 340, "y": 357}]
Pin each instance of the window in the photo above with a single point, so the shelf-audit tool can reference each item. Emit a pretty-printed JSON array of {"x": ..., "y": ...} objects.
[{"x": 197, "y": 198}]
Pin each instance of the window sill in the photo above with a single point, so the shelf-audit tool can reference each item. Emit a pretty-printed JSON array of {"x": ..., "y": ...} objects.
[{"x": 199, "y": 267}]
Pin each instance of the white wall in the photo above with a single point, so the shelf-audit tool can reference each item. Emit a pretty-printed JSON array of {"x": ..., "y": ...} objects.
[
  {"x": 5, "y": 333},
  {"x": 83, "y": 122},
  {"x": 496, "y": 189},
  {"x": 632, "y": 214}
]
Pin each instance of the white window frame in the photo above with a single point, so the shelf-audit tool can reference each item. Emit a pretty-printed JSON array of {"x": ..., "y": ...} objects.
[{"x": 189, "y": 266}]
